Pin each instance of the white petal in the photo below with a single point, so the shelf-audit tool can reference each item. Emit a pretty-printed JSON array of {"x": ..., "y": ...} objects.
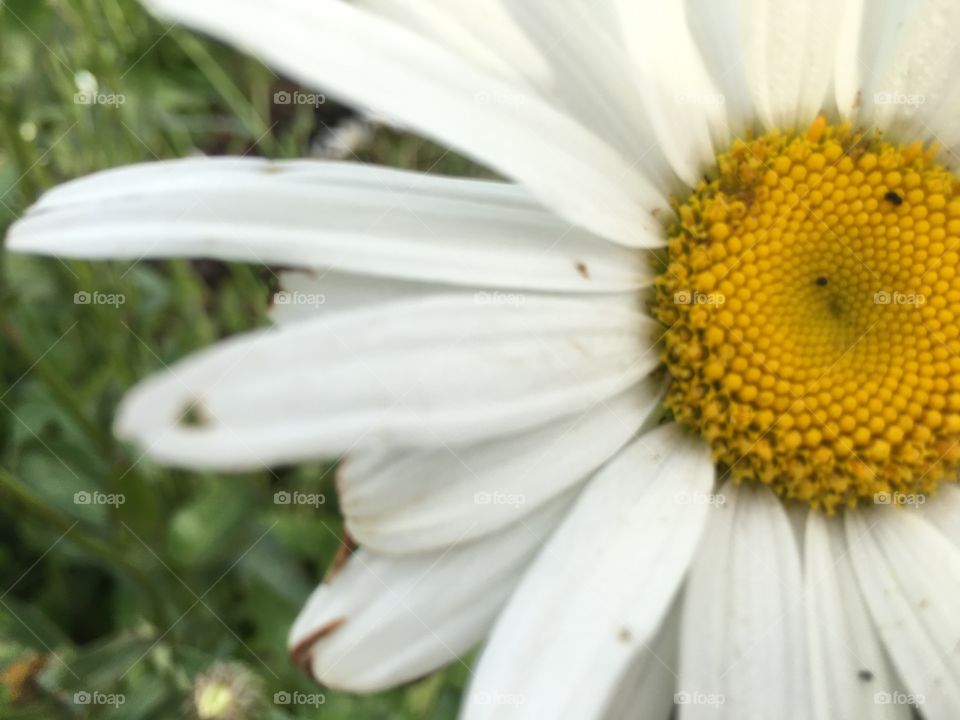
[
  {"x": 909, "y": 575},
  {"x": 569, "y": 52},
  {"x": 943, "y": 511},
  {"x": 481, "y": 31},
  {"x": 902, "y": 79},
  {"x": 595, "y": 79},
  {"x": 850, "y": 61},
  {"x": 599, "y": 591},
  {"x": 384, "y": 621},
  {"x": 742, "y": 649},
  {"x": 685, "y": 108},
  {"x": 790, "y": 50},
  {"x": 439, "y": 370},
  {"x": 305, "y": 295},
  {"x": 847, "y": 664},
  {"x": 376, "y": 64},
  {"x": 716, "y": 28},
  {"x": 351, "y": 217},
  {"x": 647, "y": 686},
  {"x": 783, "y": 53},
  {"x": 915, "y": 94},
  {"x": 400, "y": 502}
]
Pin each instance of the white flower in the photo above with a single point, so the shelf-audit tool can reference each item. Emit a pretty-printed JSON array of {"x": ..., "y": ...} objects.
[
  {"x": 484, "y": 360},
  {"x": 226, "y": 691},
  {"x": 86, "y": 82}
]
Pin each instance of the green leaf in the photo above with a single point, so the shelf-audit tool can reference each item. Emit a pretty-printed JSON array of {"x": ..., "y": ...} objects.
[
  {"x": 102, "y": 666},
  {"x": 26, "y": 625},
  {"x": 59, "y": 482},
  {"x": 212, "y": 526}
]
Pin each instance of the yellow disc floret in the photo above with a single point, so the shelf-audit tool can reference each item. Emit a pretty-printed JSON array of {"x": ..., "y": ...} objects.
[{"x": 812, "y": 300}]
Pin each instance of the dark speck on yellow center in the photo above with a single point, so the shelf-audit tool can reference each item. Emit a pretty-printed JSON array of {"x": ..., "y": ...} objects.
[{"x": 812, "y": 300}]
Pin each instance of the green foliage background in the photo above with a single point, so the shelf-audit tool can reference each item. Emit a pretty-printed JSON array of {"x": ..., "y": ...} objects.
[{"x": 191, "y": 569}]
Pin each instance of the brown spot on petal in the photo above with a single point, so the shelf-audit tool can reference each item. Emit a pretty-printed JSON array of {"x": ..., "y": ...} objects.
[
  {"x": 300, "y": 653},
  {"x": 195, "y": 415},
  {"x": 625, "y": 636},
  {"x": 583, "y": 270},
  {"x": 348, "y": 546}
]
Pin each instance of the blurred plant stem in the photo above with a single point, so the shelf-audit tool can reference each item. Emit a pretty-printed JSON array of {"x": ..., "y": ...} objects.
[
  {"x": 33, "y": 177},
  {"x": 75, "y": 533},
  {"x": 58, "y": 388},
  {"x": 233, "y": 97}
]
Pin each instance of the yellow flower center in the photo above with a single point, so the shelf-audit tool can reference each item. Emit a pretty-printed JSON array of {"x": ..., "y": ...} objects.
[
  {"x": 214, "y": 700},
  {"x": 812, "y": 300}
]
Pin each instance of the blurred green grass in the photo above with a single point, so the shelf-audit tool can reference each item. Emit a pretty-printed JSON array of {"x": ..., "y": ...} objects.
[{"x": 190, "y": 570}]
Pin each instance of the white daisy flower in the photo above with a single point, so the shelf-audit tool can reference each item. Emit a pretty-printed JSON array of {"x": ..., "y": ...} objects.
[{"x": 735, "y": 211}]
